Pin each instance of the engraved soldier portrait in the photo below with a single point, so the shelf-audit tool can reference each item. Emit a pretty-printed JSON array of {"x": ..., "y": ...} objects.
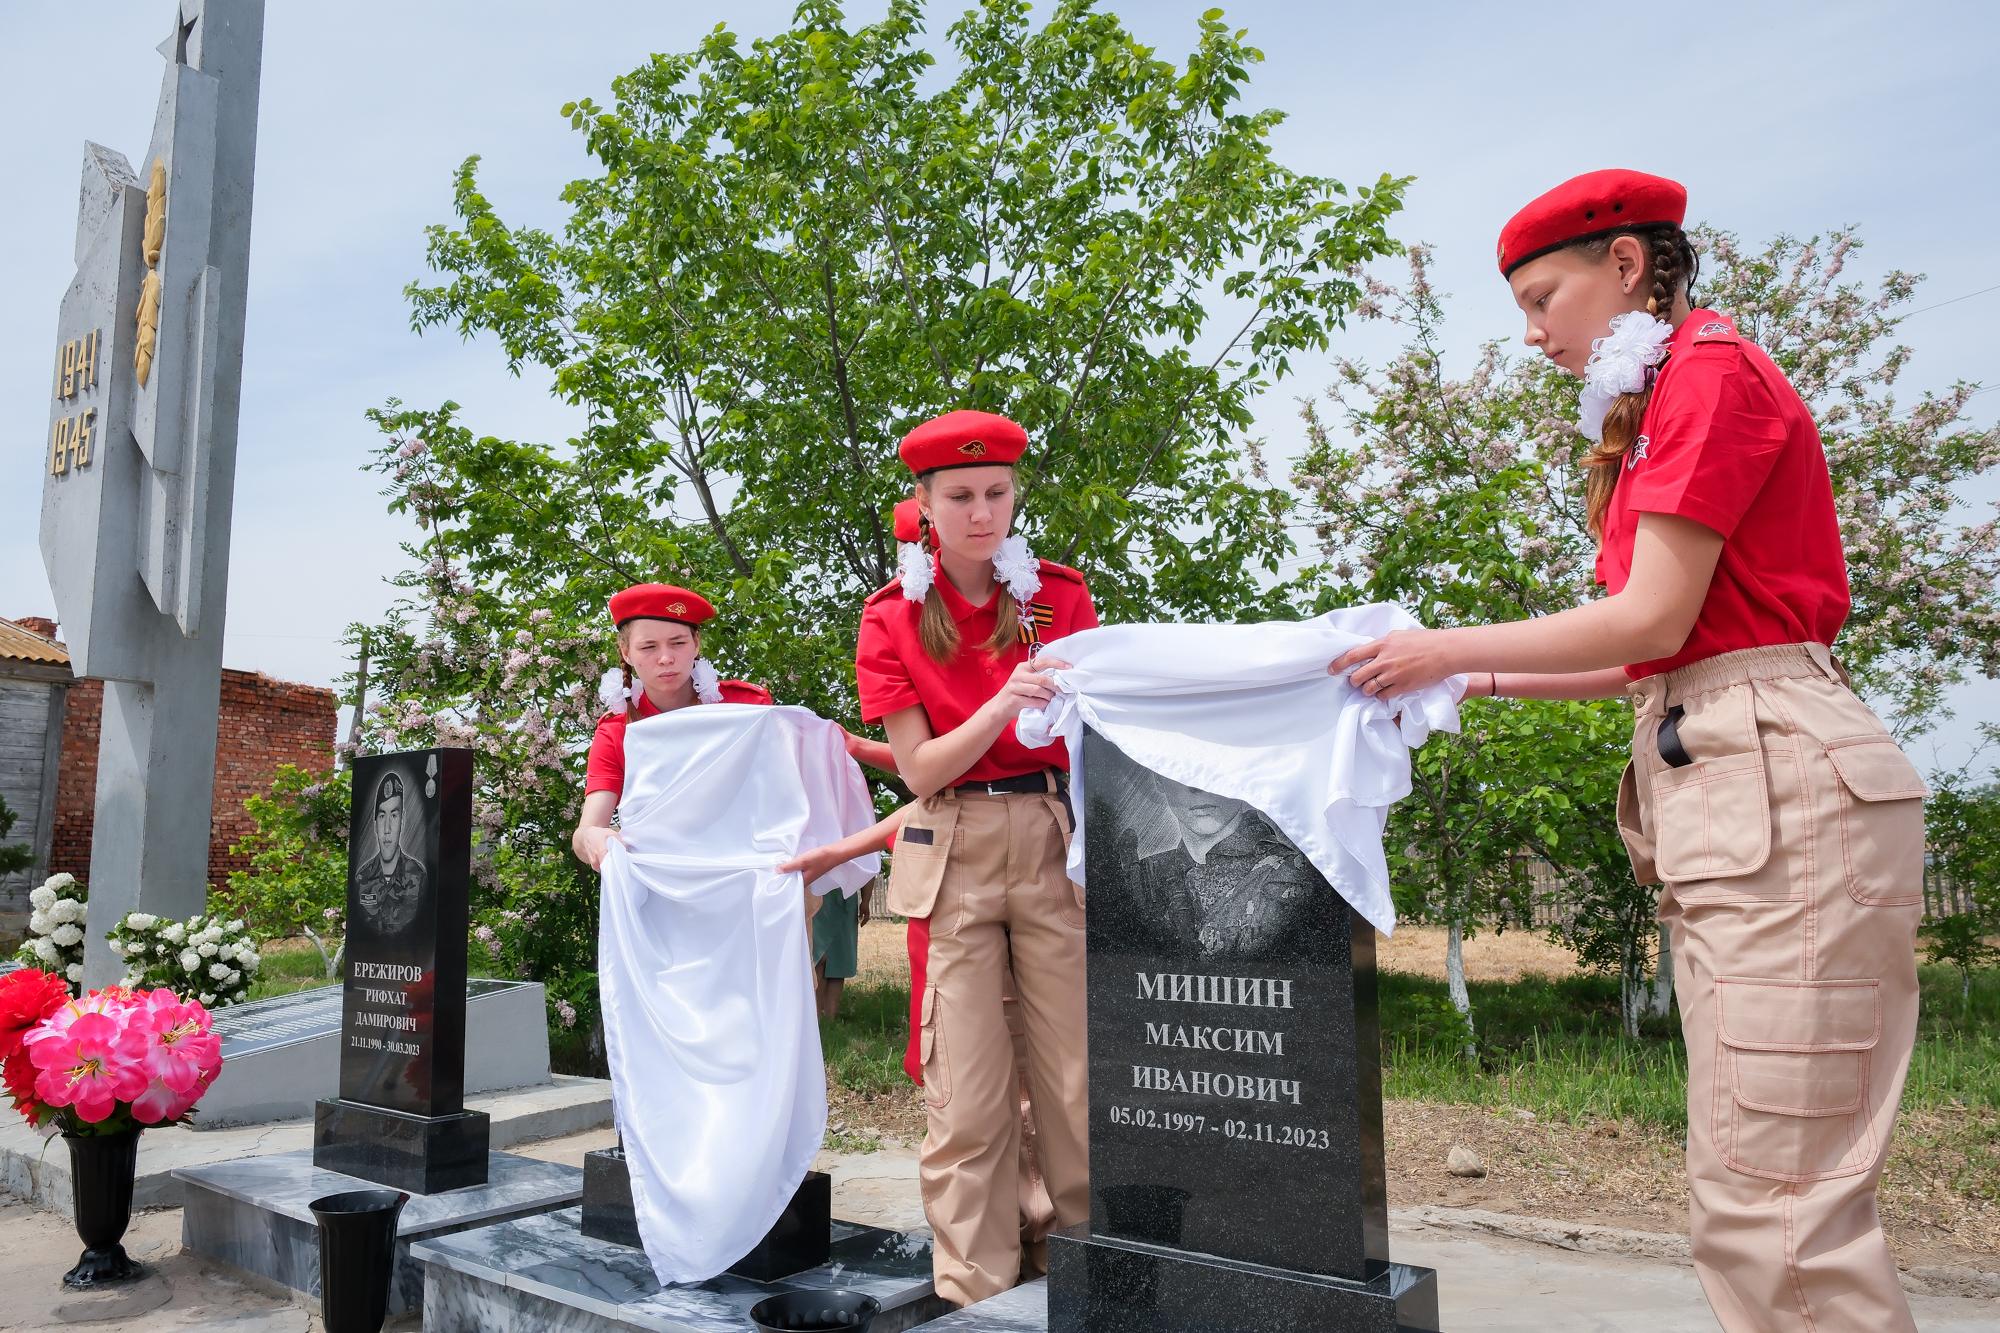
[
  {"x": 390, "y": 879},
  {"x": 1202, "y": 876}
]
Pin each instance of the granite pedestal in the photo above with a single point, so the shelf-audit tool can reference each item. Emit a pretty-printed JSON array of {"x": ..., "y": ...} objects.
[
  {"x": 797, "y": 1241},
  {"x": 541, "y": 1274},
  {"x": 253, "y": 1213}
]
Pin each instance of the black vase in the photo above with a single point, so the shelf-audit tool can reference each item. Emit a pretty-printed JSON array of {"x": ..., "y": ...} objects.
[
  {"x": 357, "y": 1257},
  {"x": 101, "y": 1167}
]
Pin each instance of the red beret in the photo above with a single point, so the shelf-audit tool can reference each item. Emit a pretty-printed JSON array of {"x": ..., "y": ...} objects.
[
  {"x": 660, "y": 601},
  {"x": 962, "y": 439},
  {"x": 1597, "y": 201}
]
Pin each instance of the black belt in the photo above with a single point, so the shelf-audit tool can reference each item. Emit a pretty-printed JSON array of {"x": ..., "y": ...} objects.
[
  {"x": 1026, "y": 782},
  {"x": 1671, "y": 748}
]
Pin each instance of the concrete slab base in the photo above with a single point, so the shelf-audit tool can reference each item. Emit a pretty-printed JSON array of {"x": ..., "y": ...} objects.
[
  {"x": 253, "y": 1213},
  {"x": 542, "y": 1273},
  {"x": 37, "y": 1171}
]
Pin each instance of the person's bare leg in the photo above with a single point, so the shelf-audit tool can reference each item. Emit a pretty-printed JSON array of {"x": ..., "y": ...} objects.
[{"x": 829, "y": 997}]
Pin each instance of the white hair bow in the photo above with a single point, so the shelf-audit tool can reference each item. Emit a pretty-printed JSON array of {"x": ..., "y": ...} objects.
[
  {"x": 1013, "y": 564},
  {"x": 613, "y": 692},
  {"x": 707, "y": 684},
  {"x": 1619, "y": 364},
  {"x": 913, "y": 570}
]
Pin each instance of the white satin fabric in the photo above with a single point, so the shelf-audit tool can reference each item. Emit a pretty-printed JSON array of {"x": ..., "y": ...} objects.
[
  {"x": 705, "y": 973},
  {"x": 1249, "y": 711}
]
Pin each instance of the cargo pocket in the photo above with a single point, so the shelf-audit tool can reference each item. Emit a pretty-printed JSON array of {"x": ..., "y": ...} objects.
[
  {"x": 916, "y": 867},
  {"x": 1712, "y": 820},
  {"x": 1632, "y": 828},
  {"x": 935, "y": 1060},
  {"x": 1881, "y": 820},
  {"x": 1793, "y": 1065}
]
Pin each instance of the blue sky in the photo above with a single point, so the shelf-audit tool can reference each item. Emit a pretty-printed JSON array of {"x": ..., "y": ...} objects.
[{"x": 1778, "y": 117}]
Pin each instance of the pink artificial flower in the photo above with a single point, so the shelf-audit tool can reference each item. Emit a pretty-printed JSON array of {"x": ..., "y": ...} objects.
[
  {"x": 91, "y": 1067},
  {"x": 178, "y": 1054},
  {"x": 55, "y": 1027}
]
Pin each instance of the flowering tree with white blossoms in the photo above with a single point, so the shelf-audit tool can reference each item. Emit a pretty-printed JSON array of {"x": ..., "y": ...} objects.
[
  {"x": 1462, "y": 499},
  {"x": 56, "y": 925},
  {"x": 203, "y": 957}
]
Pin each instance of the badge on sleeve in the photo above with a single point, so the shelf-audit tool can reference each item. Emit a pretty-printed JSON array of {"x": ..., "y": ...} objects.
[{"x": 1715, "y": 329}]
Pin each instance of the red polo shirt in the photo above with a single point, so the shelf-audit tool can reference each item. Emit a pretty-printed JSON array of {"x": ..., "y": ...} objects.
[
  {"x": 895, "y": 672},
  {"x": 606, "y": 769},
  {"x": 1727, "y": 442}
]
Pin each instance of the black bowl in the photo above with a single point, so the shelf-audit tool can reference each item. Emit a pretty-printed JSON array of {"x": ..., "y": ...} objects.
[{"x": 830, "y": 1310}]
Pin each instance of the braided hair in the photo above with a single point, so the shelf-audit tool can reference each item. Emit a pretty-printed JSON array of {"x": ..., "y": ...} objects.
[{"x": 1672, "y": 263}]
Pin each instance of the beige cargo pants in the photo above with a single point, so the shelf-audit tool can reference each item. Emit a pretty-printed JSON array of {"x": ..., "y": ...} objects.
[
  {"x": 991, "y": 878},
  {"x": 1791, "y": 849}
]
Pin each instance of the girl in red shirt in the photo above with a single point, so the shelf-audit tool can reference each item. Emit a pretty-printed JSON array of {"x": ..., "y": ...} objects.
[
  {"x": 1785, "y": 823},
  {"x": 947, "y": 657},
  {"x": 661, "y": 669}
]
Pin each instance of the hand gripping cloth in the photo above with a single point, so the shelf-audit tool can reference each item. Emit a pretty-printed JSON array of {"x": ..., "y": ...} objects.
[
  {"x": 705, "y": 974},
  {"x": 1249, "y": 711}
]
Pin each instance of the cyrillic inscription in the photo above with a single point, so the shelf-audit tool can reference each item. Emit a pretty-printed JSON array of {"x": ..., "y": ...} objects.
[{"x": 1185, "y": 988}]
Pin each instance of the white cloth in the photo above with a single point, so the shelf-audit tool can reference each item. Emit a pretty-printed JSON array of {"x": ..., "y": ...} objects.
[
  {"x": 705, "y": 973},
  {"x": 1249, "y": 712}
]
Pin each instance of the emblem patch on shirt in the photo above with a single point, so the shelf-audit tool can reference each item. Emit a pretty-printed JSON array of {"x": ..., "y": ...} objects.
[
  {"x": 1638, "y": 451},
  {"x": 1715, "y": 328},
  {"x": 1043, "y": 616}
]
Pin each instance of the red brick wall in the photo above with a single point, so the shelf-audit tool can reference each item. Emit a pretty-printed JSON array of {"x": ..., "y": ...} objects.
[
  {"x": 264, "y": 723},
  {"x": 76, "y": 780}
]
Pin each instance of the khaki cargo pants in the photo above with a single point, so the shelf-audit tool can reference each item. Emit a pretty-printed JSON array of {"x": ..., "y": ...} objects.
[
  {"x": 991, "y": 877},
  {"x": 1791, "y": 849}
]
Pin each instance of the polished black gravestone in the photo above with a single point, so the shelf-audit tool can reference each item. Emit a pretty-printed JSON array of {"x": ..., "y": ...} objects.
[
  {"x": 400, "y": 1119},
  {"x": 800, "y": 1239},
  {"x": 1236, "y": 1166}
]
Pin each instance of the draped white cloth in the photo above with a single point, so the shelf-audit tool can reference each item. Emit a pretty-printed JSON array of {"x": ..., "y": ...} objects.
[
  {"x": 1249, "y": 712},
  {"x": 705, "y": 973}
]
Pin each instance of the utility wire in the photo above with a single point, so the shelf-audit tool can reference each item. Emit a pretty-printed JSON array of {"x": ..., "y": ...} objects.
[{"x": 1953, "y": 301}]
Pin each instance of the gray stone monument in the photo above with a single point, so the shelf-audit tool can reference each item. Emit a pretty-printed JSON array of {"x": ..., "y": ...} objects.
[{"x": 140, "y": 467}]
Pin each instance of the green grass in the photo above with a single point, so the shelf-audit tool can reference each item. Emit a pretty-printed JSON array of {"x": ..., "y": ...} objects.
[
  {"x": 288, "y": 970},
  {"x": 1556, "y": 1048},
  {"x": 1551, "y": 1047},
  {"x": 864, "y": 1046}
]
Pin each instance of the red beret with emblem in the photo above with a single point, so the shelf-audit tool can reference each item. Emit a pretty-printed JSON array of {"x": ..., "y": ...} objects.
[
  {"x": 1597, "y": 201},
  {"x": 962, "y": 439},
  {"x": 660, "y": 601}
]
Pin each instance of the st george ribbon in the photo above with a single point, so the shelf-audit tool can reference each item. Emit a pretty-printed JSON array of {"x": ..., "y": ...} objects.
[{"x": 706, "y": 974}]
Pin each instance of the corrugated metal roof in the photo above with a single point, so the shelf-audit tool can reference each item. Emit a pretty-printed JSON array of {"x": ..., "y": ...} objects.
[{"x": 24, "y": 646}]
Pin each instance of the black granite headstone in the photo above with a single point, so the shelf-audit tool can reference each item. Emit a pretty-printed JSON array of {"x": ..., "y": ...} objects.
[
  {"x": 1236, "y": 1164},
  {"x": 400, "y": 1119}
]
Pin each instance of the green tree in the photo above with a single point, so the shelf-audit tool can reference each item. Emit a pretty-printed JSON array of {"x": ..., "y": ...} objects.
[
  {"x": 1447, "y": 503},
  {"x": 14, "y": 856},
  {"x": 297, "y": 881},
  {"x": 785, "y": 258},
  {"x": 1521, "y": 776},
  {"x": 1962, "y": 842}
]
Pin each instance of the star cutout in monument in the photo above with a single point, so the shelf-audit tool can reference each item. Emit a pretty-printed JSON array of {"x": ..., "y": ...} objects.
[{"x": 175, "y": 48}]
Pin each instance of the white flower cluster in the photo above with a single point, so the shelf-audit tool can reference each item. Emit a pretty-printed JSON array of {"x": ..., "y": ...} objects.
[
  {"x": 56, "y": 923},
  {"x": 207, "y": 957}
]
